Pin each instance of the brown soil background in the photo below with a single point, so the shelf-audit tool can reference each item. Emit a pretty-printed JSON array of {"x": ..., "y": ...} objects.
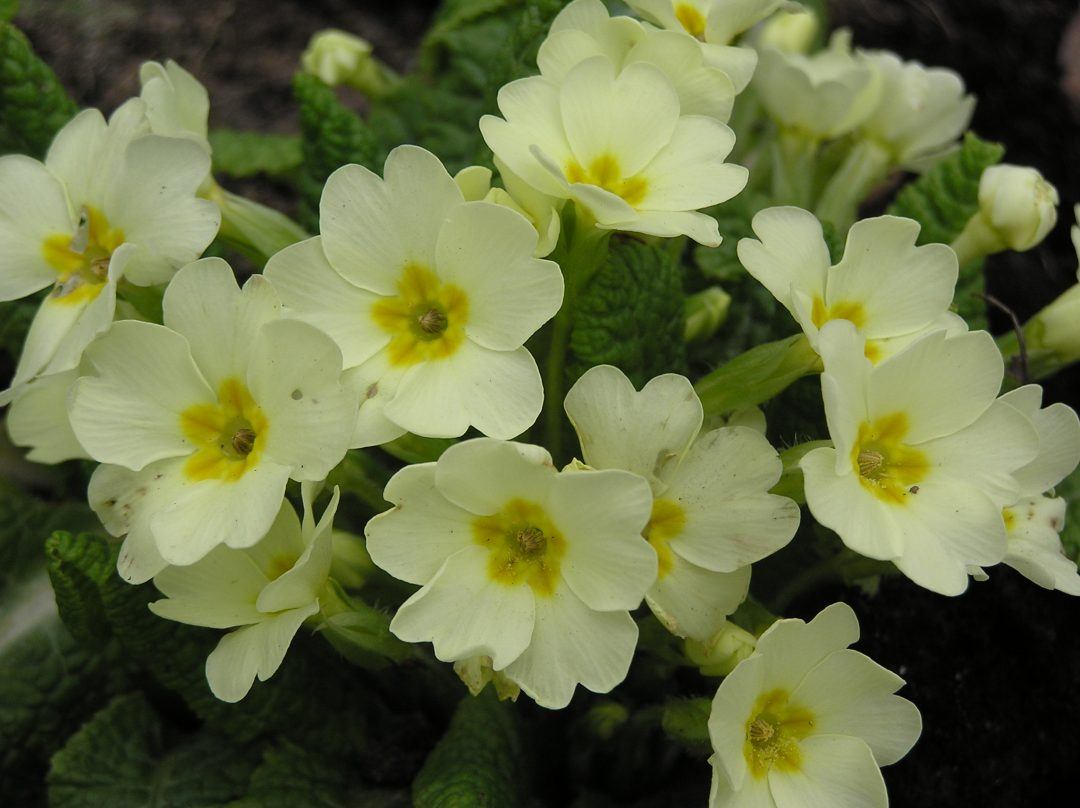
[{"x": 997, "y": 672}]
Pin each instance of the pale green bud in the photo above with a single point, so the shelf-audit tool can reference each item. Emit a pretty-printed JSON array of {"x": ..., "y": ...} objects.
[
  {"x": 1057, "y": 327},
  {"x": 1019, "y": 204},
  {"x": 337, "y": 57},
  {"x": 719, "y": 655},
  {"x": 790, "y": 31},
  {"x": 706, "y": 311}
]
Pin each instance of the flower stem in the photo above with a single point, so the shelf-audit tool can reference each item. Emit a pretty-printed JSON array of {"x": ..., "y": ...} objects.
[{"x": 580, "y": 257}]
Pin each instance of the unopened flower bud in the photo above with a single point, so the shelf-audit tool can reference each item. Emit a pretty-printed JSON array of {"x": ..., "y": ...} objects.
[
  {"x": 1017, "y": 208},
  {"x": 706, "y": 311},
  {"x": 1057, "y": 327},
  {"x": 790, "y": 31},
  {"x": 727, "y": 648},
  {"x": 337, "y": 57}
]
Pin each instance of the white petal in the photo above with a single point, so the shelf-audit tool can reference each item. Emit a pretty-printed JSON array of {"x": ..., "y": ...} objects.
[
  {"x": 1035, "y": 549},
  {"x": 423, "y": 195},
  {"x": 125, "y": 501},
  {"x": 220, "y": 321},
  {"x": 256, "y": 650},
  {"x": 701, "y": 227},
  {"x": 900, "y": 286},
  {"x": 195, "y": 517},
  {"x": 295, "y": 376},
  {"x": 850, "y": 694},
  {"x": 620, "y": 428},
  {"x": 423, "y": 529},
  {"x": 360, "y": 234},
  {"x": 792, "y": 648},
  {"x": 153, "y": 202},
  {"x": 791, "y": 253},
  {"x": 302, "y": 583},
  {"x": 689, "y": 172},
  {"x": 38, "y": 418},
  {"x": 128, "y": 411},
  {"x": 498, "y": 392},
  {"x": 948, "y": 526},
  {"x": 487, "y": 251},
  {"x": 732, "y": 709},
  {"x": 693, "y": 602},
  {"x": 317, "y": 294},
  {"x": 836, "y": 772},
  {"x": 754, "y": 793},
  {"x": 843, "y": 384},
  {"x": 483, "y": 474},
  {"x": 464, "y": 612},
  {"x": 841, "y": 503},
  {"x": 32, "y": 208},
  {"x": 571, "y": 645},
  {"x": 987, "y": 452},
  {"x": 601, "y": 515},
  {"x": 374, "y": 382},
  {"x": 941, "y": 384},
  {"x": 1059, "y": 449},
  {"x": 217, "y": 592}
]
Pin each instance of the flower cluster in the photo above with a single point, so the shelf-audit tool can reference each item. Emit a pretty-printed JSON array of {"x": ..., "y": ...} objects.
[{"x": 432, "y": 315}]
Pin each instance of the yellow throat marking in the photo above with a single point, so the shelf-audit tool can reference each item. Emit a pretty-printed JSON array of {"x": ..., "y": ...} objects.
[
  {"x": 773, "y": 732},
  {"x": 692, "y": 20},
  {"x": 524, "y": 546},
  {"x": 604, "y": 172},
  {"x": 81, "y": 260},
  {"x": 887, "y": 467},
  {"x": 667, "y": 521},
  {"x": 229, "y": 435},
  {"x": 426, "y": 319}
]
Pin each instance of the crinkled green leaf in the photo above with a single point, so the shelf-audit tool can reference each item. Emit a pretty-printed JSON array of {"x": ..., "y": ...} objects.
[
  {"x": 631, "y": 313},
  {"x": 245, "y": 154},
  {"x": 331, "y": 135},
  {"x": 33, "y": 104},
  {"x": 291, "y": 775},
  {"x": 479, "y": 763},
  {"x": 1069, "y": 488},
  {"x": 125, "y": 757}
]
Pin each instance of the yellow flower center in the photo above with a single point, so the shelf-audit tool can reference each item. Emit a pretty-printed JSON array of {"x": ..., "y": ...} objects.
[
  {"x": 850, "y": 310},
  {"x": 229, "y": 435},
  {"x": 524, "y": 545},
  {"x": 691, "y": 19},
  {"x": 81, "y": 260},
  {"x": 280, "y": 564},
  {"x": 605, "y": 173},
  {"x": 887, "y": 467},
  {"x": 667, "y": 521},
  {"x": 426, "y": 319},
  {"x": 773, "y": 733}
]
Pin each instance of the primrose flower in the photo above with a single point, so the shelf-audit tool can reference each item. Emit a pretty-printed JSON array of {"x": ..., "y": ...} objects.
[
  {"x": 806, "y": 720},
  {"x": 790, "y": 31},
  {"x": 583, "y": 29},
  {"x": 264, "y": 592},
  {"x": 714, "y": 21},
  {"x": 203, "y": 420},
  {"x": 921, "y": 113},
  {"x": 821, "y": 95},
  {"x": 890, "y": 289},
  {"x": 542, "y": 211},
  {"x": 430, "y": 298},
  {"x": 617, "y": 144},
  {"x": 532, "y": 568},
  {"x": 712, "y": 515},
  {"x": 1017, "y": 208},
  {"x": 110, "y": 201},
  {"x": 1033, "y": 523},
  {"x": 925, "y": 454}
]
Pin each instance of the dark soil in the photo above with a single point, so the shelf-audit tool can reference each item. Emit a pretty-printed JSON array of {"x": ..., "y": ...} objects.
[{"x": 996, "y": 673}]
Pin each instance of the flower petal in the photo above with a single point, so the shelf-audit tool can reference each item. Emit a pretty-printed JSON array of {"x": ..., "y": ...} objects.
[
  {"x": 464, "y": 612},
  {"x": 482, "y": 475},
  {"x": 217, "y": 592},
  {"x": 791, "y": 253},
  {"x": 836, "y": 772},
  {"x": 38, "y": 418},
  {"x": 792, "y": 648},
  {"x": 694, "y": 602},
  {"x": 32, "y": 208},
  {"x": 689, "y": 171},
  {"x": 571, "y": 645}
]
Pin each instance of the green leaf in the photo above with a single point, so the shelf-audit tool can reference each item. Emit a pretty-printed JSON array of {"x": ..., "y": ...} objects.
[
  {"x": 33, "y": 104},
  {"x": 245, "y": 154},
  {"x": 331, "y": 135},
  {"x": 8, "y": 9},
  {"x": 125, "y": 757},
  {"x": 631, "y": 313},
  {"x": 687, "y": 721},
  {"x": 1069, "y": 488},
  {"x": 479, "y": 762},
  {"x": 943, "y": 200},
  {"x": 291, "y": 775}
]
